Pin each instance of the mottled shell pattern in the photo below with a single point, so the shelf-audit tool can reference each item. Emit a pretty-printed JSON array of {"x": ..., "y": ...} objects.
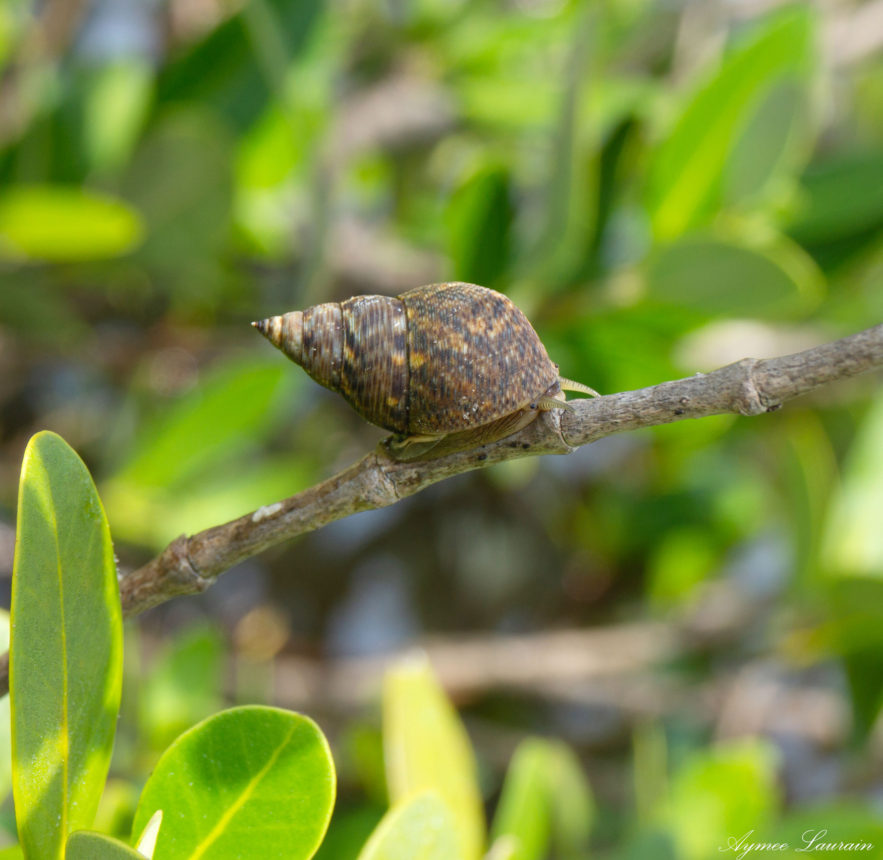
[{"x": 436, "y": 360}]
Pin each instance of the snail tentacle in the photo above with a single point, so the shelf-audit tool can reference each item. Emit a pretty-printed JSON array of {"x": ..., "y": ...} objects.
[
  {"x": 547, "y": 404},
  {"x": 570, "y": 385}
]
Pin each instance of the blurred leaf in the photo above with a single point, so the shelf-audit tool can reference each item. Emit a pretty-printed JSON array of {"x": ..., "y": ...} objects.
[
  {"x": 650, "y": 845},
  {"x": 421, "y": 828},
  {"x": 612, "y": 162},
  {"x": 362, "y": 746},
  {"x": 66, "y": 652},
  {"x": 13, "y": 853},
  {"x": 33, "y": 309},
  {"x": 841, "y": 214},
  {"x": 86, "y": 845},
  {"x": 570, "y": 800},
  {"x": 853, "y": 539},
  {"x": 156, "y": 515},
  {"x": 223, "y": 782},
  {"x": 274, "y": 164},
  {"x": 496, "y": 101},
  {"x": 183, "y": 685},
  {"x": 545, "y": 802},
  {"x": 427, "y": 749},
  {"x": 571, "y": 190},
  {"x": 721, "y": 792},
  {"x": 718, "y": 277},
  {"x": 808, "y": 465},
  {"x": 479, "y": 219},
  {"x": 13, "y": 19},
  {"x": 683, "y": 560},
  {"x": 603, "y": 350},
  {"x": 196, "y": 465},
  {"x": 523, "y": 811},
  {"x": 120, "y": 796},
  {"x": 843, "y": 196},
  {"x": 181, "y": 179},
  {"x": 845, "y": 821},
  {"x": 234, "y": 68},
  {"x": 114, "y": 111},
  {"x": 772, "y": 143},
  {"x": 687, "y": 168},
  {"x": 649, "y": 769},
  {"x": 509, "y": 66},
  {"x": 61, "y": 224},
  {"x": 225, "y": 412},
  {"x": 864, "y": 671}
]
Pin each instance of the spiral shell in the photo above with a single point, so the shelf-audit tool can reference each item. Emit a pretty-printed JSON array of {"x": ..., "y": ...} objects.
[{"x": 436, "y": 360}]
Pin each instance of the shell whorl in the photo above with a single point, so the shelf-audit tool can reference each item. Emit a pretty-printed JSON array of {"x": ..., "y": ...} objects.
[
  {"x": 312, "y": 338},
  {"x": 358, "y": 348},
  {"x": 285, "y": 332}
]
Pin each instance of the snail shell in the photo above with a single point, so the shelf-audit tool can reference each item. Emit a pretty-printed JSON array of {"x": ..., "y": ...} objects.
[{"x": 445, "y": 366}]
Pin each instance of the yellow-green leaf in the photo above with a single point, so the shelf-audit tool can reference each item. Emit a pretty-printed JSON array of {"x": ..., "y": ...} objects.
[
  {"x": 421, "y": 828},
  {"x": 426, "y": 749},
  {"x": 63, "y": 224},
  {"x": 65, "y": 667}
]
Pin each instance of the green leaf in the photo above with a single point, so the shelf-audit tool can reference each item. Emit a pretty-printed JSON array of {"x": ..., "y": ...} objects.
[
  {"x": 12, "y": 853},
  {"x": 421, "y": 828},
  {"x": 248, "y": 782},
  {"x": 426, "y": 748},
  {"x": 479, "y": 219},
  {"x": 63, "y": 224},
  {"x": 66, "y": 651},
  {"x": 721, "y": 792},
  {"x": 571, "y": 801},
  {"x": 190, "y": 468},
  {"x": 545, "y": 801},
  {"x": 236, "y": 67},
  {"x": 842, "y": 197},
  {"x": 187, "y": 204},
  {"x": 225, "y": 412},
  {"x": 86, "y": 845},
  {"x": 686, "y": 173},
  {"x": 523, "y": 810},
  {"x": 717, "y": 277}
]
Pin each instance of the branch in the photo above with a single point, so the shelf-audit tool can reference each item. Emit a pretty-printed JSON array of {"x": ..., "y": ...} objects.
[{"x": 749, "y": 387}]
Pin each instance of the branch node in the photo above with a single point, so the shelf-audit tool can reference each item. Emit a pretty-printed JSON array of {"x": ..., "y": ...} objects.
[
  {"x": 750, "y": 400},
  {"x": 555, "y": 417},
  {"x": 183, "y": 569},
  {"x": 380, "y": 487},
  {"x": 195, "y": 575}
]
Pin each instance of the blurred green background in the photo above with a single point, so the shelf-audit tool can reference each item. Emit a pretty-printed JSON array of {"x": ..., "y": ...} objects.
[{"x": 663, "y": 187}]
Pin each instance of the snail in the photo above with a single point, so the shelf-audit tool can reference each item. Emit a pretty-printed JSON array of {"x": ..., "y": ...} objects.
[{"x": 445, "y": 367}]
